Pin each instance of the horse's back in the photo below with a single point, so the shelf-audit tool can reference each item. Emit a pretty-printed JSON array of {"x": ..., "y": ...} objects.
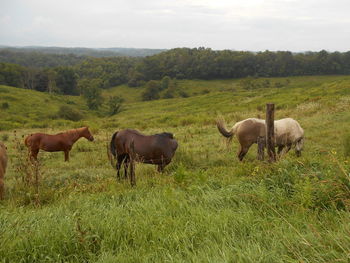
[
  {"x": 47, "y": 142},
  {"x": 250, "y": 129},
  {"x": 289, "y": 126},
  {"x": 148, "y": 148},
  {"x": 33, "y": 139}
]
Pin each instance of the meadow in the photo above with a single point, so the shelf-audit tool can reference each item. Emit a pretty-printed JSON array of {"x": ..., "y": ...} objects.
[{"x": 207, "y": 206}]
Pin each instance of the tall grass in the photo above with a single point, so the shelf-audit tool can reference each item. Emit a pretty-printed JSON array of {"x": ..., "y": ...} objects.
[{"x": 207, "y": 206}]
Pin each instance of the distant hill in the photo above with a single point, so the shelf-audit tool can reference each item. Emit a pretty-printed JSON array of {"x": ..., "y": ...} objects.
[
  {"x": 92, "y": 52},
  {"x": 41, "y": 57},
  {"x": 38, "y": 59}
]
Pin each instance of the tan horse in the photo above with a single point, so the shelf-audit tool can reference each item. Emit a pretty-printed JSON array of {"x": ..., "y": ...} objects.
[
  {"x": 3, "y": 164},
  {"x": 288, "y": 133},
  {"x": 62, "y": 141}
]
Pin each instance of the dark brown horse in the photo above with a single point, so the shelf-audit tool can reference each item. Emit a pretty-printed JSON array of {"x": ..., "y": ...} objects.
[
  {"x": 156, "y": 149},
  {"x": 62, "y": 141}
]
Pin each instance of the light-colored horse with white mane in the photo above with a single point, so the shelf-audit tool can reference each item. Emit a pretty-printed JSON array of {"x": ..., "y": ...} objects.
[{"x": 288, "y": 134}]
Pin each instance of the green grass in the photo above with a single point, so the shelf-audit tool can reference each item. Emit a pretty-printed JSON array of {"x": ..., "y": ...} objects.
[{"x": 207, "y": 206}]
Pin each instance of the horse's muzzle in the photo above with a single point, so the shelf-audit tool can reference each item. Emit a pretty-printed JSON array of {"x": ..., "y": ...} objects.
[{"x": 91, "y": 139}]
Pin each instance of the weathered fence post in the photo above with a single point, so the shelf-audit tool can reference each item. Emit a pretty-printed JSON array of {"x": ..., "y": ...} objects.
[
  {"x": 270, "y": 131},
  {"x": 132, "y": 164},
  {"x": 261, "y": 145}
]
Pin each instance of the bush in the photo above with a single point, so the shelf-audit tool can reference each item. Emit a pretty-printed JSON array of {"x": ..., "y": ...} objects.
[
  {"x": 115, "y": 104},
  {"x": 5, "y": 137},
  {"x": 152, "y": 91},
  {"x": 168, "y": 94},
  {"x": 93, "y": 94},
  {"x": 183, "y": 94},
  {"x": 69, "y": 113},
  {"x": 5, "y": 105}
]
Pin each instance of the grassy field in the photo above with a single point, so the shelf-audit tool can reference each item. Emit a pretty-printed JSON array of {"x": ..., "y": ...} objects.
[{"x": 207, "y": 206}]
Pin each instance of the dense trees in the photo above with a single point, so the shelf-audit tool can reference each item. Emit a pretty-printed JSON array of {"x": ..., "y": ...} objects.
[
  {"x": 66, "y": 81},
  {"x": 179, "y": 63},
  {"x": 92, "y": 91}
]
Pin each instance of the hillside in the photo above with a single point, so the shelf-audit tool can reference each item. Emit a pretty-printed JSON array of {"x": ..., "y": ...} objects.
[
  {"x": 26, "y": 108},
  {"x": 207, "y": 206}
]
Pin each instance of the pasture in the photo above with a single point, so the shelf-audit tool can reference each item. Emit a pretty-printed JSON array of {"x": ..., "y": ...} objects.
[{"x": 206, "y": 206}]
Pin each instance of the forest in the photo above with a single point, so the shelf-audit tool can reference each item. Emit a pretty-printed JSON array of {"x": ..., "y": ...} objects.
[{"x": 69, "y": 73}]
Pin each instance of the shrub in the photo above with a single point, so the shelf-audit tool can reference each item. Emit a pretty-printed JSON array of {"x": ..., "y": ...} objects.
[
  {"x": 69, "y": 113},
  {"x": 152, "y": 91},
  {"x": 168, "y": 94},
  {"x": 5, "y": 105},
  {"x": 278, "y": 85},
  {"x": 115, "y": 104},
  {"x": 5, "y": 137},
  {"x": 183, "y": 94},
  {"x": 165, "y": 82},
  {"x": 93, "y": 94}
]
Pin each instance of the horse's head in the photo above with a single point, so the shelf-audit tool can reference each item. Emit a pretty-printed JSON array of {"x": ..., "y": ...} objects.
[
  {"x": 87, "y": 134},
  {"x": 299, "y": 146}
]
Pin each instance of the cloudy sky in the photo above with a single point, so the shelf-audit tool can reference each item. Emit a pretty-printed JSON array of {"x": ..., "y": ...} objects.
[{"x": 296, "y": 25}]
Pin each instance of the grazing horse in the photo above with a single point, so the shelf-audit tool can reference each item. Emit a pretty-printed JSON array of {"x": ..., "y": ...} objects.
[
  {"x": 62, "y": 141},
  {"x": 156, "y": 149},
  {"x": 3, "y": 164},
  {"x": 288, "y": 133}
]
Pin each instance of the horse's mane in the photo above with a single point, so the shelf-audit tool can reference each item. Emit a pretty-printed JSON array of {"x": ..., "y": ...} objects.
[
  {"x": 163, "y": 134},
  {"x": 135, "y": 132},
  {"x": 166, "y": 134},
  {"x": 71, "y": 131}
]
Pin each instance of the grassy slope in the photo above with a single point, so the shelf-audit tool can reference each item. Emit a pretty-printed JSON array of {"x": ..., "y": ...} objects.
[
  {"x": 207, "y": 207},
  {"x": 29, "y": 108}
]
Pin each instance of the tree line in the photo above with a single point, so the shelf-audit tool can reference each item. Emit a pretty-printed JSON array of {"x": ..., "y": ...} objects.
[{"x": 181, "y": 63}]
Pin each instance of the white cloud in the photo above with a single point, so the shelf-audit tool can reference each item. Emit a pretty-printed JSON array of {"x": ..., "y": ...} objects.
[{"x": 295, "y": 25}]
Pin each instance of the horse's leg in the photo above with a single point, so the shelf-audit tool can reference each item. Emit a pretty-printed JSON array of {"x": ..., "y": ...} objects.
[
  {"x": 126, "y": 166},
  {"x": 161, "y": 167},
  {"x": 34, "y": 154},
  {"x": 66, "y": 155},
  {"x": 289, "y": 146},
  {"x": 117, "y": 166},
  {"x": 280, "y": 149},
  {"x": 243, "y": 151}
]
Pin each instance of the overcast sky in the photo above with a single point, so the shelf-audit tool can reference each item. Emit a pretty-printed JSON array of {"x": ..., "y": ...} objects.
[{"x": 295, "y": 25}]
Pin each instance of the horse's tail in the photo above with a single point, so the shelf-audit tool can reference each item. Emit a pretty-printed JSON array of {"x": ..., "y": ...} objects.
[
  {"x": 111, "y": 150},
  {"x": 220, "y": 123}
]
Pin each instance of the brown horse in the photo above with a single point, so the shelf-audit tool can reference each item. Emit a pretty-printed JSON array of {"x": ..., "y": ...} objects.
[
  {"x": 3, "y": 164},
  {"x": 62, "y": 141},
  {"x": 156, "y": 149}
]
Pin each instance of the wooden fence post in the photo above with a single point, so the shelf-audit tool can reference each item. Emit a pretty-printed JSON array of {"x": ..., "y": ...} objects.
[
  {"x": 132, "y": 164},
  {"x": 261, "y": 145},
  {"x": 270, "y": 131}
]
